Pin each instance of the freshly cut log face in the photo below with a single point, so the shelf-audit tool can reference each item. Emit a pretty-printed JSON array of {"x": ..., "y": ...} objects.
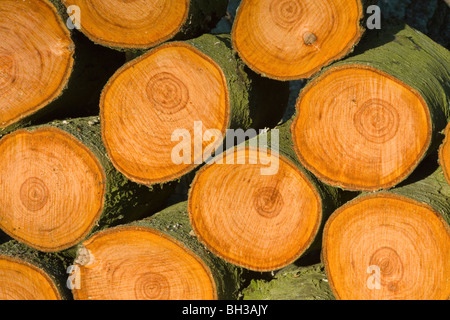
[
  {"x": 150, "y": 98},
  {"x": 141, "y": 24},
  {"x": 20, "y": 280},
  {"x": 293, "y": 39},
  {"x": 444, "y": 155},
  {"x": 260, "y": 222},
  {"x": 387, "y": 246},
  {"x": 138, "y": 24},
  {"x": 44, "y": 175},
  {"x": 360, "y": 128},
  {"x": 36, "y": 58},
  {"x": 138, "y": 263},
  {"x": 366, "y": 122}
]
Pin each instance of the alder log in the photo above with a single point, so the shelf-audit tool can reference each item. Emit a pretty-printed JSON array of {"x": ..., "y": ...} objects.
[
  {"x": 143, "y": 24},
  {"x": 366, "y": 122},
  {"x": 157, "y": 258},
  {"x": 27, "y": 274},
  {"x": 174, "y": 93},
  {"x": 257, "y": 207},
  {"x": 294, "y": 39},
  {"x": 392, "y": 245},
  {"x": 57, "y": 186}
]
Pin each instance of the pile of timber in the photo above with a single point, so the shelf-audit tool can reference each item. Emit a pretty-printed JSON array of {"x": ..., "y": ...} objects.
[{"x": 144, "y": 157}]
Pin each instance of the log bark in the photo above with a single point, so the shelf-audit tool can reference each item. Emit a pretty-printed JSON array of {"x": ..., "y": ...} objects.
[
  {"x": 444, "y": 154},
  {"x": 143, "y": 25},
  {"x": 366, "y": 122},
  {"x": 292, "y": 283},
  {"x": 27, "y": 274},
  {"x": 289, "y": 40},
  {"x": 245, "y": 202},
  {"x": 173, "y": 88},
  {"x": 375, "y": 246},
  {"x": 155, "y": 258},
  {"x": 61, "y": 172},
  {"x": 87, "y": 67}
]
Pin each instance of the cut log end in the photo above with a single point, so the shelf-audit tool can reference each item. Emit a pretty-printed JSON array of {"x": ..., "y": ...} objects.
[
  {"x": 137, "y": 263},
  {"x": 43, "y": 178},
  {"x": 444, "y": 154},
  {"x": 243, "y": 212},
  {"x": 380, "y": 247},
  {"x": 36, "y": 58},
  {"x": 361, "y": 129},
  {"x": 22, "y": 281},
  {"x": 150, "y": 107},
  {"x": 131, "y": 24},
  {"x": 293, "y": 39}
]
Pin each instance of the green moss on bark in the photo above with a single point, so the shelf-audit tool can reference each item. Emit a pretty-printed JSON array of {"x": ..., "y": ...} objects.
[
  {"x": 432, "y": 190},
  {"x": 292, "y": 283}
]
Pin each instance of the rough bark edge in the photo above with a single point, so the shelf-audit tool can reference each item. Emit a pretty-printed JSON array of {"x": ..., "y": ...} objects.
[{"x": 442, "y": 162}]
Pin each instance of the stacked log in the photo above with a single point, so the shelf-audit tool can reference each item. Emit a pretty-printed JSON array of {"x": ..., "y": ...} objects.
[
  {"x": 58, "y": 186},
  {"x": 155, "y": 258},
  {"x": 250, "y": 199},
  {"x": 175, "y": 93},
  {"x": 126, "y": 25},
  {"x": 144, "y": 155},
  {"x": 294, "y": 39},
  {"x": 382, "y": 245},
  {"x": 366, "y": 122}
]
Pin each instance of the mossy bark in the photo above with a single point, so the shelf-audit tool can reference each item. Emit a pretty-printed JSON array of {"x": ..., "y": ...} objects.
[
  {"x": 174, "y": 222},
  {"x": 54, "y": 265},
  {"x": 124, "y": 201},
  {"x": 255, "y": 102},
  {"x": 292, "y": 283},
  {"x": 93, "y": 66},
  {"x": 433, "y": 190}
]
